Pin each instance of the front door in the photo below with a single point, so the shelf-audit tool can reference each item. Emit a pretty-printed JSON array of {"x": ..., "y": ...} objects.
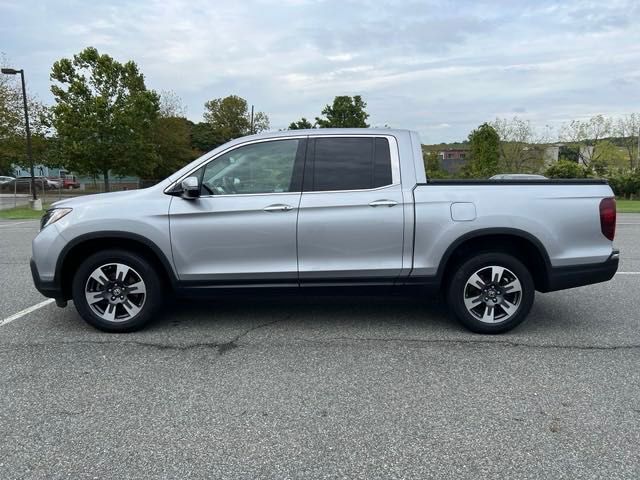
[{"x": 242, "y": 228}]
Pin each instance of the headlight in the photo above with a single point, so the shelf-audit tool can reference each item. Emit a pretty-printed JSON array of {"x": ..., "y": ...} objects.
[{"x": 53, "y": 215}]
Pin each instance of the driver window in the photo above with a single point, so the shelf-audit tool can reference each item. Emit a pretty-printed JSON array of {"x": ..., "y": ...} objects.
[{"x": 265, "y": 167}]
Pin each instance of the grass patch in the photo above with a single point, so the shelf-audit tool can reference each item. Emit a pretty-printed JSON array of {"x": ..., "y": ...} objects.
[
  {"x": 22, "y": 213},
  {"x": 628, "y": 206}
]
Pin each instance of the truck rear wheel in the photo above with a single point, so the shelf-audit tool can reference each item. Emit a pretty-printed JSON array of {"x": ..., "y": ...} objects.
[
  {"x": 491, "y": 293},
  {"x": 116, "y": 291}
]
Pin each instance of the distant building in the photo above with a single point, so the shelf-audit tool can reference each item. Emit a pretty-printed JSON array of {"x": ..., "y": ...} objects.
[
  {"x": 553, "y": 153},
  {"x": 453, "y": 159}
]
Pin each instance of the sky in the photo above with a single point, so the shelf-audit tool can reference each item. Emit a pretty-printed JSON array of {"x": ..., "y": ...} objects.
[{"x": 438, "y": 67}]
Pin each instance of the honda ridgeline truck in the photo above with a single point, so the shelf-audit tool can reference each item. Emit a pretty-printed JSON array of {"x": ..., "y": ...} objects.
[{"x": 325, "y": 208}]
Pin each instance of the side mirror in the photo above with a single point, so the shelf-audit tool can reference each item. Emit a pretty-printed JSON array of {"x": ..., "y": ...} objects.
[{"x": 190, "y": 188}]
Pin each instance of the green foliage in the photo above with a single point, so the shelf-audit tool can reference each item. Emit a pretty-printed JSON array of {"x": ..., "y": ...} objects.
[
  {"x": 611, "y": 156},
  {"x": 626, "y": 183},
  {"x": 346, "y": 112},
  {"x": 104, "y": 115},
  {"x": 13, "y": 143},
  {"x": 229, "y": 118},
  {"x": 484, "y": 145},
  {"x": 301, "y": 124},
  {"x": 520, "y": 149},
  {"x": 432, "y": 164},
  {"x": 172, "y": 137},
  {"x": 587, "y": 136},
  {"x": 204, "y": 138},
  {"x": 628, "y": 128},
  {"x": 568, "y": 169}
]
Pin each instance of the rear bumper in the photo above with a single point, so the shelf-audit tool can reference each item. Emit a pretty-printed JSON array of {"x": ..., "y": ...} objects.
[
  {"x": 48, "y": 289},
  {"x": 561, "y": 278}
]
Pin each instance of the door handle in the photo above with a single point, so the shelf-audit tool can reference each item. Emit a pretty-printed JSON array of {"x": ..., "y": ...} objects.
[
  {"x": 279, "y": 207},
  {"x": 383, "y": 203}
]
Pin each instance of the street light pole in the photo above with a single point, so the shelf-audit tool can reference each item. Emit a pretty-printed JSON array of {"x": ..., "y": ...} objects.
[
  {"x": 638, "y": 152},
  {"x": 11, "y": 71}
]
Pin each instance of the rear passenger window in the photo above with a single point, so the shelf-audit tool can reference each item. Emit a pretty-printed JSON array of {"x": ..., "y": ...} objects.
[{"x": 349, "y": 164}]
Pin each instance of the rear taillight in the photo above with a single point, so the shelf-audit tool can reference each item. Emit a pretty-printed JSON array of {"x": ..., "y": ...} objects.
[{"x": 608, "y": 217}]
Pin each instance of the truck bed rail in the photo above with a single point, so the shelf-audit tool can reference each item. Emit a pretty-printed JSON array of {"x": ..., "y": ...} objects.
[{"x": 550, "y": 181}]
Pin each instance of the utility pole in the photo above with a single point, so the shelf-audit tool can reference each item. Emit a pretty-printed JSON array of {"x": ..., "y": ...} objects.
[
  {"x": 252, "y": 132},
  {"x": 12, "y": 71}
]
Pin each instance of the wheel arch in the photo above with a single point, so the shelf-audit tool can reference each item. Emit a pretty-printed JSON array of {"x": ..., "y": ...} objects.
[
  {"x": 522, "y": 245},
  {"x": 84, "y": 245}
]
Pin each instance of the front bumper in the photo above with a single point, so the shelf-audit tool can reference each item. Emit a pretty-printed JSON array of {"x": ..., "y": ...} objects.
[
  {"x": 50, "y": 289},
  {"x": 561, "y": 278}
]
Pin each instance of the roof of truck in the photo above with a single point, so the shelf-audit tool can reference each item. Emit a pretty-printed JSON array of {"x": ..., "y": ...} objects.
[{"x": 329, "y": 131}]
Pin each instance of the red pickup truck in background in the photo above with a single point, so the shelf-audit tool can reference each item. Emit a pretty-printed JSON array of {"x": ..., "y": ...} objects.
[{"x": 70, "y": 182}]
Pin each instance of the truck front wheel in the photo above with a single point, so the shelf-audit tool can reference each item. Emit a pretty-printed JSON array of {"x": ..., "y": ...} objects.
[
  {"x": 116, "y": 291},
  {"x": 491, "y": 293}
]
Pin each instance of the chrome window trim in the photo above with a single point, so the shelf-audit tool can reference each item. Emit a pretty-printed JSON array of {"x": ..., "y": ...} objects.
[{"x": 393, "y": 152}]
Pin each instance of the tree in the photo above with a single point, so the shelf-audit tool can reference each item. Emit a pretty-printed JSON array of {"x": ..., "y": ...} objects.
[
  {"x": 301, "y": 124},
  {"x": 587, "y": 135},
  {"x": 204, "y": 138},
  {"x": 171, "y": 105},
  {"x": 172, "y": 137},
  {"x": 229, "y": 118},
  {"x": 104, "y": 115},
  {"x": 13, "y": 149},
  {"x": 628, "y": 128},
  {"x": 611, "y": 157},
  {"x": 484, "y": 145},
  {"x": 346, "y": 112},
  {"x": 625, "y": 184},
  {"x": 520, "y": 149},
  {"x": 432, "y": 165}
]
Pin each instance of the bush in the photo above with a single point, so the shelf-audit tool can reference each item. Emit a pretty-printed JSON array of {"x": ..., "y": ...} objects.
[
  {"x": 626, "y": 183},
  {"x": 568, "y": 169}
]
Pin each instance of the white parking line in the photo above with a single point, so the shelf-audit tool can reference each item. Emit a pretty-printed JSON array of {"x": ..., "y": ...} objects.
[
  {"x": 26, "y": 311},
  {"x": 627, "y": 273}
]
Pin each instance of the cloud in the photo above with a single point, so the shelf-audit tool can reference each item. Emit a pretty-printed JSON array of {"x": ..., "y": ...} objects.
[{"x": 419, "y": 65}]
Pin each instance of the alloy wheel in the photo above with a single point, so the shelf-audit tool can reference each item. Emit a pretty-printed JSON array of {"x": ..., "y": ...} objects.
[
  {"x": 492, "y": 294},
  {"x": 115, "y": 292}
]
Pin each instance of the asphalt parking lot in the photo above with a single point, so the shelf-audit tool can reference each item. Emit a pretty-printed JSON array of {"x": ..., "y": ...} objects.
[{"x": 322, "y": 387}]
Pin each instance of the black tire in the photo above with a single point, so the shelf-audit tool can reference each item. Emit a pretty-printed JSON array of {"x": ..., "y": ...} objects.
[
  {"x": 458, "y": 289},
  {"x": 148, "y": 304}
]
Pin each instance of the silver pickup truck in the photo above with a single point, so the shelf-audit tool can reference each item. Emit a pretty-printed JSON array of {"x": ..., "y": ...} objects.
[{"x": 325, "y": 208}]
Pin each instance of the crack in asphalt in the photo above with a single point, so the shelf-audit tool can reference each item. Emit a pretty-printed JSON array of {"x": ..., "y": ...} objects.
[{"x": 224, "y": 347}]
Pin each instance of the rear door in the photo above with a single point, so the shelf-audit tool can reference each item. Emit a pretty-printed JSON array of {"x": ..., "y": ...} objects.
[{"x": 350, "y": 223}]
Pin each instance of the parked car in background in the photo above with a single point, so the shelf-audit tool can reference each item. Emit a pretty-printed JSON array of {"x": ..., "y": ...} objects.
[
  {"x": 4, "y": 180},
  {"x": 322, "y": 208},
  {"x": 69, "y": 182},
  {"x": 24, "y": 183},
  {"x": 518, "y": 176}
]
